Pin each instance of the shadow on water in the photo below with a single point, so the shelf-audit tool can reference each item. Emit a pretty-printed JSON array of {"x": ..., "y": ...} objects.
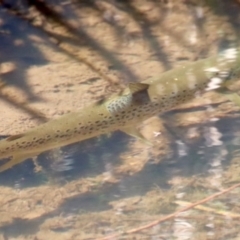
[
  {"x": 84, "y": 159},
  {"x": 81, "y": 38},
  {"x": 199, "y": 161},
  {"x": 84, "y": 38},
  {"x": 188, "y": 160},
  {"x": 19, "y": 52},
  {"x": 18, "y": 49},
  {"x": 93, "y": 157},
  {"x": 145, "y": 25}
]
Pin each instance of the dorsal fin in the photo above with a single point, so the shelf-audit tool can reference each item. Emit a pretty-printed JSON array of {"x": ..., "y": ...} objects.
[
  {"x": 137, "y": 87},
  {"x": 14, "y": 137},
  {"x": 139, "y": 92}
]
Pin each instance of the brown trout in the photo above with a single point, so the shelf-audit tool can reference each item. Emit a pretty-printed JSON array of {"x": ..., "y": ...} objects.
[{"x": 122, "y": 111}]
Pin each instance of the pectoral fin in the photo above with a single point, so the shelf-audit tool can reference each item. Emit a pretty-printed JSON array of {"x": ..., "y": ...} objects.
[
  {"x": 16, "y": 160},
  {"x": 132, "y": 131}
]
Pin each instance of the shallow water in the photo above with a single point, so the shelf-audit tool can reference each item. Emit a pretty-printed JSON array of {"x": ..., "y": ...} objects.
[{"x": 52, "y": 64}]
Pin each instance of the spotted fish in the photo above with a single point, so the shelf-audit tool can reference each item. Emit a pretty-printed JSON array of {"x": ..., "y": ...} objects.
[{"x": 122, "y": 111}]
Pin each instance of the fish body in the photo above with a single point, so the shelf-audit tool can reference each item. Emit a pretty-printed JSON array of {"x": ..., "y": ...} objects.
[
  {"x": 99, "y": 118},
  {"x": 122, "y": 111}
]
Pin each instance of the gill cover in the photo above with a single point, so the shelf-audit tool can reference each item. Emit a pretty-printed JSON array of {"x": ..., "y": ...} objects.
[{"x": 135, "y": 93}]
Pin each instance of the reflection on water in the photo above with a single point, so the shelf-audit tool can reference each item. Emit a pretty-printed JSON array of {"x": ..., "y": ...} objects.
[
  {"x": 187, "y": 176},
  {"x": 114, "y": 184}
]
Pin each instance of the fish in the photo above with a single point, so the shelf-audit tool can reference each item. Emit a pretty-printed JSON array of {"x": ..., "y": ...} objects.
[{"x": 124, "y": 110}]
